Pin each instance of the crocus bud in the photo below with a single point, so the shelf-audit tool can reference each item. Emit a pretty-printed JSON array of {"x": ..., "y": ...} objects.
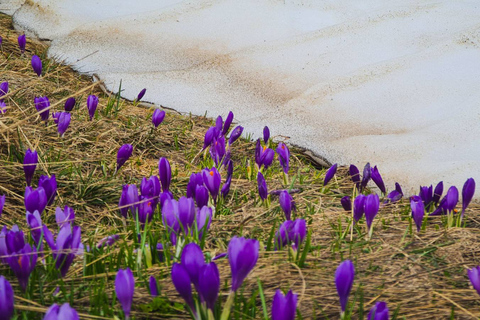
[
  {"x": 451, "y": 198},
  {"x": 201, "y": 196},
  {"x": 209, "y": 284},
  {"x": 204, "y": 215},
  {"x": 344, "y": 276},
  {"x": 235, "y": 134},
  {"x": 474, "y": 276},
  {"x": 193, "y": 260},
  {"x": 285, "y": 200},
  {"x": 330, "y": 173},
  {"x": 346, "y": 203},
  {"x": 64, "y": 312},
  {"x": 468, "y": 191},
  {"x": 377, "y": 178},
  {"x": 298, "y": 232},
  {"x": 262, "y": 186},
  {"x": 372, "y": 204},
  {"x": 22, "y": 264},
  {"x": 128, "y": 199},
  {"x": 227, "y": 124},
  {"x": 359, "y": 207},
  {"x": 123, "y": 154},
  {"x": 34, "y": 221},
  {"x": 284, "y": 157},
  {"x": 226, "y": 186},
  {"x": 379, "y": 312},
  {"x": 426, "y": 194},
  {"x": 22, "y": 42},
  {"x": 266, "y": 134},
  {"x": 42, "y": 104},
  {"x": 92, "y": 103},
  {"x": 355, "y": 174},
  {"x": 218, "y": 125},
  {"x": 209, "y": 136},
  {"x": 37, "y": 65},
  {"x": 367, "y": 174},
  {"x": 418, "y": 211},
  {"x": 63, "y": 122},
  {"x": 212, "y": 180},
  {"x": 284, "y": 307},
  {"x": 170, "y": 216},
  {"x": 438, "y": 192},
  {"x": 124, "y": 288},
  {"x": 152, "y": 283},
  {"x": 157, "y": 117},
  {"x": 50, "y": 187},
  {"x": 141, "y": 94},
  {"x": 35, "y": 199},
  {"x": 165, "y": 173},
  {"x": 69, "y": 104},
  {"x": 181, "y": 281},
  {"x": 186, "y": 213},
  {"x": 282, "y": 236},
  {"x": 6, "y": 299},
  {"x": 242, "y": 256}
]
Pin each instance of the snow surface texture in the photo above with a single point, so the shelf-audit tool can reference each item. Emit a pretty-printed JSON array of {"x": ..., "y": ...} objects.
[{"x": 392, "y": 82}]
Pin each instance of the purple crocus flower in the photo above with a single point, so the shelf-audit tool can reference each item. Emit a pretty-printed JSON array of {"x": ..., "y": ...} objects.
[
  {"x": 92, "y": 103},
  {"x": 468, "y": 191},
  {"x": 181, "y": 281},
  {"x": 22, "y": 42},
  {"x": 108, "y": 241},
  {"x": 157, "y": 117},
  {"x": 67, "y": 246},
  {"x": 124, "y": 288},
  {"x": 3, "y": 89},
  {"x": 153, "y": 285},
  {"x": 193, "y": 260},
  {"x": 3, "y": 107},
  {"x": 170, "y": 216},
  {"x": 212, "y": 180},
  {"x": 141, "y": 94},
  {"x": 396, "y": 194},
  {"x": 355, "y": 174},
  {"x": 282, "y": 236},
  {"x": 55, "y": 116},
  {"x": 452, "y": 198},
  {"x": 359, "y": 207},
  {"x": 64, "y": 119},
  {"x": 284, "y": 307},
  {"x": 286, "y": 200},
  {"x": 219, "y": 124},
  {"x": 64, "y": 312},
  {"x": 235, "y": 134},
  {"x": 266, "y": 134},
  {"x": 128, "y": 200},
  {"x": 37, "y": 65},
  {"x": 14, "y": 240},
  {"x": 2, "y": 203},
  {"x": 62, "y": 217},
  {"x": 346, "y": 203},
  {"x": 204, "y": 219},
  {"x": 426, "y": 194},
  {"x": 379, "y": 312},
  {"x": 211, "y": 134},
  {"x": 50, "y": 187},
  {"x": 474, "y": 276},
  {"x": 22, "y": 263},
  {"x": 377, "y": 178},
  {"x": 69, "y": 104},
  {"x": 298, "y": 232},
  {"x": 344, "y": 276},
  {"x": 201, "y": 196},
  {"x": 372, "y": 204},
  {"x": 262, "y": 186},
  {"x": 209, "y": 284},
  {"x": 330, "y": 173},
  {"x": 196, "y": 179},
  {"x": 123, "y": 154},
  {"x": 165, "y": 173},
  {"x": 42, "y": 104},
  {"x": 145, "y": 210},
  {"x": 367, "y": 174},
  {"x": 263, "y": 156},
  {"x": 228, "y": 123},
  {"x": 226, "y": 186},
  {"x": 186, "y": 213},
  {"x": 35, "y": 199},
  {"x": 150, "y": 188},
  {"x": 438, "y": 192},
  {"x": 242, "y": 256},
  {"x": 6, "y": 299},
  {"x": 284, "y": 157},
  {"x": 34, "y": 221},
  {"x": 217, "y": 150},
  {"x": 418, "y": 211}
]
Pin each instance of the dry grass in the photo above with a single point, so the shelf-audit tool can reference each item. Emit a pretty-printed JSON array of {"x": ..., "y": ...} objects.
[{"x": 424, "y": 275}]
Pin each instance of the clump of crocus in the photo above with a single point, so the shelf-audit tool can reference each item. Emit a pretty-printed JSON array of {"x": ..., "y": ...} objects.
[
  {"x": 448, "y": 203},
  {"x": 124, "y": 288},
  {"x": 69, "y": 104},
  {"x": 284, "y": 157},
  {"x": 123, "y": 154},
  {"x": 371, "y": 206},
  {"x": 37, "y": 65},
  {"x": 42, "y": 104},
  {"x": 377, "y": 178},
  {"x": 157, "y": 117},
  {"x": 262, "y": 186},
  {"x": 3, "y": 107},
  {"x": 379, "y": 312},
  {"x": 6, "y": 299},
  {"x": 212, "y": 180},
  {"x": 2, "y": 203},
  {"x": 35, "y": 199},
  {"x": 418, "y": 211},
  {"x": 474, "y": 276},
  {"x": 22, "y": 42},
  {"x": 286, "y": 203},
  {"x": 92, "y": 103},
  {"x": 50, "y": 187},
  {"x": 468, "y": 191},
  {"x": 330, "y": 174},
  {"x": 284, "y": 307},
  {"x": 165, "y": 173},
  {"x": 67, "y": 246},
  {"x": 63, "y": 312},
  {"x": 30, "y": 161},
  {"x": 141, "y": 94},
  {"x": 64, "y": 119},
  {"x": 344, "y": 276}
]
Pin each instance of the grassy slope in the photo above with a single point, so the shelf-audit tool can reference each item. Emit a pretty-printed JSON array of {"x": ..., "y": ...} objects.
[{"x": 424, "y": 275}]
